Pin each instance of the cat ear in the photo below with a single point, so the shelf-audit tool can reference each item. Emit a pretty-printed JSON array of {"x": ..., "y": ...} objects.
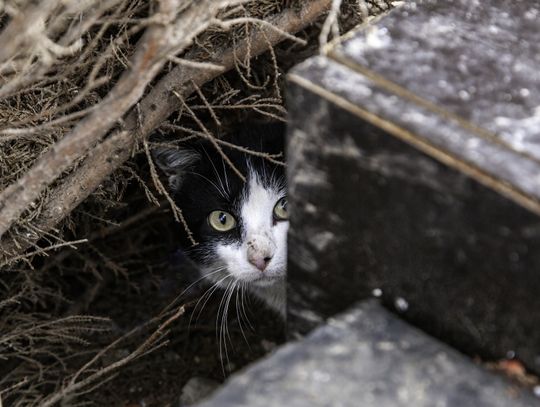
[{"x": 174, "y": 163}]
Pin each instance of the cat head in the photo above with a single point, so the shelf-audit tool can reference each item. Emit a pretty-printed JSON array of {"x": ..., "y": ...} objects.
[{"x": 240, "y": 227}]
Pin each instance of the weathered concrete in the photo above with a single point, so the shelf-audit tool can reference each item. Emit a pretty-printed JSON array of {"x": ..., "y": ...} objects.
[
  {"x": 367, "y": 357},
  {"x": 476, "y": 61},
  {"x": 401, "y": 185}
]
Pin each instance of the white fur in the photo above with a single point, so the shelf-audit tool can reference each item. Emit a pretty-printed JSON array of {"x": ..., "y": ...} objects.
[{"x": 262, "y": 237}]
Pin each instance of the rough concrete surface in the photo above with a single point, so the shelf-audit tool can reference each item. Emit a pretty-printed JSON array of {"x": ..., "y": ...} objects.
[{"x": 368, "y": 357}]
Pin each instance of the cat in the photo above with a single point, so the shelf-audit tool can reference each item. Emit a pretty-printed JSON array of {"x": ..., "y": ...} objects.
[{"x": 240, "y": 227}]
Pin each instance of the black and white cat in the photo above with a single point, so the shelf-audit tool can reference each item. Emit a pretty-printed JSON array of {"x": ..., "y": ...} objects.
[{"x": 240, "y": 227}]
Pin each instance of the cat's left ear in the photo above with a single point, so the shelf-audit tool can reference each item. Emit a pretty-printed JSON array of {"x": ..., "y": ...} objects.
[{"x": 174, "y": 163}]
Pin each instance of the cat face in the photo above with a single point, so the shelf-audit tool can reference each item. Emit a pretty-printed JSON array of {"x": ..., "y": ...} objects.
[
  {"x": 240, "y": 227},
  {"x": 256, "y": 224}
]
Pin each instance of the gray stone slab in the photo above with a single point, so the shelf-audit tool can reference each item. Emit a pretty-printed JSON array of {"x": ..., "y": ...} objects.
[
  {"x": 368, "y": 357},
  {"x": 507, "y": 171},
  {"x": 373, "y": 209},
  {"x": 476, "y": 59},
  {"x": 473, "y": 64},
  {"x": 397, "y": 186}
]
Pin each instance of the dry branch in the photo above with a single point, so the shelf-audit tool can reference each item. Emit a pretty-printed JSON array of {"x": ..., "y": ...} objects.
[
  {"x": 74, "y": 385},
  {"x": 19, "y": 31},
  {"x": 32, "y": 54},
  {"x": 167, "y": 34},
  {"x": 110, "y": 153}
]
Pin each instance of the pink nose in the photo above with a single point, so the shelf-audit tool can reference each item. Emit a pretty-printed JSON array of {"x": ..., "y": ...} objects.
[{"x": 260, "y": 262}]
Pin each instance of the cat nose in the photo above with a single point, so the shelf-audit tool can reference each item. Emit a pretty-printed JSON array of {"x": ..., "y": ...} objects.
[
  {"x": 260, "y": 250},
  {"x": 260, "y": 262}
]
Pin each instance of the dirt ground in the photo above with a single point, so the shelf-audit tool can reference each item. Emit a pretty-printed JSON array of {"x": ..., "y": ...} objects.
[{"x": 193, "y": 348}]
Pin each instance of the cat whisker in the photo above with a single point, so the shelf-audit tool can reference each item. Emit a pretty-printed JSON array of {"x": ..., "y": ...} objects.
[
  {"x": 273, "y": 177},
  {"x": 222, "y": 192},
  {"x": 233, "y": 289},
  {"x": 239, "y": 314},
  {"x": 200, "y": 279},
  {"x": 179, "y": 296},
  {"x": 221, "y": 303},
  {"x": 222, "y": 333},
  {"x": 242, "y": 304},
  {"x": 278, "y": 183},
  {"x": 225, "y": 174},
  {"x": 217, "y": 175},
  {"x": 208, "y": 294}
]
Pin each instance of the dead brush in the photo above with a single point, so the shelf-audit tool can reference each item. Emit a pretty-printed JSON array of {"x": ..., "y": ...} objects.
[{"x": 81, "y": 90}]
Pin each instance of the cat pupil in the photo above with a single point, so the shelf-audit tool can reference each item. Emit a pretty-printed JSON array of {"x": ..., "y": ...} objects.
[{"x": 222, "y": 218}]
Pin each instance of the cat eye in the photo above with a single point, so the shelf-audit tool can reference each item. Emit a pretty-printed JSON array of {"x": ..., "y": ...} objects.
[
  {"x": 280, "y": 210},
  {"x": 221, "y": 221}
]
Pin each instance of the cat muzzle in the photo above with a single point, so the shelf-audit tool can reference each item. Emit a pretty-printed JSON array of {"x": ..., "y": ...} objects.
[{"x": 260, "y": 251}]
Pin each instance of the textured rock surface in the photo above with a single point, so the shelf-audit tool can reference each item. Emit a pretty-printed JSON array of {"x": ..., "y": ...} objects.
[
  {"x": 369, "y": 358},
  {"x": 392, "y": 195},
  {"x": 473, "y": 64},
  {"x": 476, "y": 59}
]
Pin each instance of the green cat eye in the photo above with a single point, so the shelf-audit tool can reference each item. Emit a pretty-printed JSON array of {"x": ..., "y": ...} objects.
[
  {"x": 221, "y": 221},
  {"x": 280, "y": 210}
]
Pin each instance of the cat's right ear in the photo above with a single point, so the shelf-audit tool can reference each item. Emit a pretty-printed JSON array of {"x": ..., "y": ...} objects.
[{"x": 174, "y": 163}]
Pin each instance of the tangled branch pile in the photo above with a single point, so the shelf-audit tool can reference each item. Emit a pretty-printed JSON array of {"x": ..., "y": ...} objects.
[{"x": 83, "y": 84}]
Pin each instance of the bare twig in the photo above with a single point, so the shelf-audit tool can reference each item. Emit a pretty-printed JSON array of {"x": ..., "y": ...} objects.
[
  {"x": 43, "y": 251},
  {"x": 177, "y": 212},
  {"x": 166, "y": 35},
  {"x": 74, "y": 386},
  {"x": 210, "y": 137},
  {"x": 196, "y": 64},
  {"x": 242, "y": 20},
  {"x": 330, "y": 24},
  {"x": 109, "y": 154},
  {"x": 270, "y": 157},
  {"x": 19, "y": 31}
]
